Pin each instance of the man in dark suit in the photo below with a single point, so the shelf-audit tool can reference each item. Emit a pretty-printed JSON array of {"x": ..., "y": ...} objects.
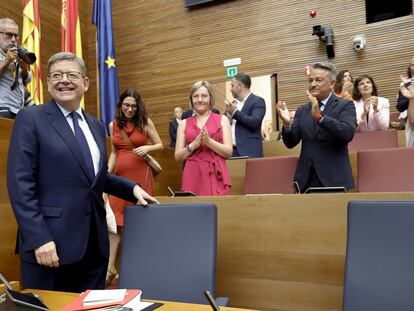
[
  {"x": 173, "y": 126},
  {"x": 56, "y": 174},
  {"x": 325, "y": 125},
  {"x": 246, "y": 114}
]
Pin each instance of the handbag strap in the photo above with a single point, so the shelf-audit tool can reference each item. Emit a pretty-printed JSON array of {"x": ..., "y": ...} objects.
[{"x": 126, "y": 138}]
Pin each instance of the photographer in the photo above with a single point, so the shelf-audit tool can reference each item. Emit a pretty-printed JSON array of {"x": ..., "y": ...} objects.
[{"x": 14, "y": 73}]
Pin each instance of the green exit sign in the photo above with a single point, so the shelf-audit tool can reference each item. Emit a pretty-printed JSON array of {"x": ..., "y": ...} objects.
[{"x": 231, "y": 71}]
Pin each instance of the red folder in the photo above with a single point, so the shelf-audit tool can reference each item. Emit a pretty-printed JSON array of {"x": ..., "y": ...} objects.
[{"x": 77, "y": 304}]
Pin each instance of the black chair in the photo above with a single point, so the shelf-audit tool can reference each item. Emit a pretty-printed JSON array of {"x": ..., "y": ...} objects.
[
  {"x": 169, "y": 251},
  {"x": 379, "y": 271}
]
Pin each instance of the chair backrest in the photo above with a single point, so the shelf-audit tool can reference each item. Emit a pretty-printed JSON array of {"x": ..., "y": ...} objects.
[
  {"x": 270, "y": 175},
  {"x": 394, "y": 116},
  {"x": 169, "y": 251},
  {"x": 374, "y": 140},
  {"x": 386, "y": 170},
  {"x": 379, "y": 272}
]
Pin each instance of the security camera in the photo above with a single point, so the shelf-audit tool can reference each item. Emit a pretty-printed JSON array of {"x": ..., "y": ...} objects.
[{"x": 359, "y": 42}]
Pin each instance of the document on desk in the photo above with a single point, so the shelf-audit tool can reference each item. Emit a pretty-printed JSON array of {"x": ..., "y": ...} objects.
[
  {"x": 138, "y": 305},
  {"x": 95, "y": 297},
  {"x": 108, "y": 298}
]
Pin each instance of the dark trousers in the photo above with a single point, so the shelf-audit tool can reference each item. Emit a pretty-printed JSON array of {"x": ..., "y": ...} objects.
[
  {"x": 235, "y": 152},
  {"x": 88, "y": 273},
  {"x": 313, "y": 181}
]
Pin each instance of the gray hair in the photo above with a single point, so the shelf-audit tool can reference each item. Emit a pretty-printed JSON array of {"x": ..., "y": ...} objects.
[
  {"x": 61, "y": 56},
  {"x": 325, "y": 66},
  {"x": 7, "y": 21}
]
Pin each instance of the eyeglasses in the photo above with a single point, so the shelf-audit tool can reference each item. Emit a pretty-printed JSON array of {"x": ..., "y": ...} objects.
[
  {"x": 71, "y": 76},
  {"x": 10, "y": 35},
  {"x": 127, "y": 106}
]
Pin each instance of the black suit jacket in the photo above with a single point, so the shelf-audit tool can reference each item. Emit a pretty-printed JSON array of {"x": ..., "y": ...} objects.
[
  {"x": 324, "y": 143},
  {"x": 249, "y": 126},
  {"x": 173, "y": 132}
]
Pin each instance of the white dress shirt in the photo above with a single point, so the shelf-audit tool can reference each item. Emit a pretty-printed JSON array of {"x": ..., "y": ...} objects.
[{"x": 93, "y": 146}]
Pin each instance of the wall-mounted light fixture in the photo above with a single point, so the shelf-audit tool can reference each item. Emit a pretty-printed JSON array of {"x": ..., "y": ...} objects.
[
  {"x": 325, "y": 34},
  {"x": 359, "y": 42}
]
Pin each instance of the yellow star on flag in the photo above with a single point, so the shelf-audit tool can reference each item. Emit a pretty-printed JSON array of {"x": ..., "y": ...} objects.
[{"x": 110, "y": 62}]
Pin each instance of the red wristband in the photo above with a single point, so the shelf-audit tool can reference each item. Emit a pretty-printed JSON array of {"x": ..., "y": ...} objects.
[{"x": 318, "y": 116}]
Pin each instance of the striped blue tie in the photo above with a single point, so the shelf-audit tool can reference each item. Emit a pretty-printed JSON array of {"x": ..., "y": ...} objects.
[{"x": 83, "y": 144}]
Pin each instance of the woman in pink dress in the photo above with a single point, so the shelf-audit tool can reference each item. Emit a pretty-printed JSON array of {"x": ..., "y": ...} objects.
[
  {"x": 204, "y": 143},
  {"x": 127, "y": 157}
]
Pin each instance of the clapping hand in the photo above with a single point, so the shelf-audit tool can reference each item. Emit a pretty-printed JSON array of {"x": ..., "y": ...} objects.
[
  {"x": 283, "y": 112},
  {"x": 197, "y": 141},
  {"x": 374, "y": 102},
  {"x": 367, "y": 104},
  {"x": 315, "y": 104},
  {"x": 205, "y": 136},
  {"x": 406, "y": 91},
  {"x": 347, "y": 87},
  {"x": 230, "y": 106}
]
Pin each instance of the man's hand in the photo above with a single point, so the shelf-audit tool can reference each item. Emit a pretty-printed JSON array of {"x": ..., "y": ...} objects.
[
  {"x": 230, "y": 106},
  {"x": 229, "y": 116},
  {"x": 283, "y": 112},
  {"x": 11, "y": 55},
  {"x": 46, "y": 255},
  {"x": 315, "y": 105},
  {"x": 143, "y": 197}
]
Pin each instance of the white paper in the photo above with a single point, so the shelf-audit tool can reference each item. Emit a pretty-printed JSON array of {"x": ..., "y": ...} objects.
[
  {"x": 104, "y": 296},
  {"x": 136, "y": 305}
]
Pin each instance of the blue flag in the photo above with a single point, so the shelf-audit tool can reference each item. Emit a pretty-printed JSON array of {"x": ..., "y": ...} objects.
[{"x": 108, "y": 73}]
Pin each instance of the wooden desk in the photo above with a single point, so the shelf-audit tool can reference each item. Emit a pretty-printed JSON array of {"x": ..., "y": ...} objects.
[{"x": 56, "y": 300}]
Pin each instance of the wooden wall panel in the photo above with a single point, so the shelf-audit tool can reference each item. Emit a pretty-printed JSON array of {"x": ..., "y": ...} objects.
[{"x": 162, "y": 47}]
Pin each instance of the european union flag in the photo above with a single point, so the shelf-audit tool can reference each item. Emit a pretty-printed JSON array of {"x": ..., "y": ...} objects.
[{"x": 108, "y": 73}]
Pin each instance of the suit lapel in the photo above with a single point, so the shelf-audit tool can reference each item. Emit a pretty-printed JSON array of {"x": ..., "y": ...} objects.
[
  {"x": 330, "y": 105},
  {"x": 58, "y": 121},
  {"x": 247, "y": 102}
]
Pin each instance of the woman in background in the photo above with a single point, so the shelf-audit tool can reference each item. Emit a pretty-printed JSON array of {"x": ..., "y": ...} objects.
[
  {"x": 204, "y": 142},
  {"x": 344, "y": 84},
  {"x": 130, "y": 134},
  {"x": 372, "y": 111}
]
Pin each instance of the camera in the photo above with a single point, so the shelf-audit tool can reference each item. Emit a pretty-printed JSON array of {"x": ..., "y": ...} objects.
[
  {"x": 358, "y": 42},
  {"x": 25, "y": 55}
]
